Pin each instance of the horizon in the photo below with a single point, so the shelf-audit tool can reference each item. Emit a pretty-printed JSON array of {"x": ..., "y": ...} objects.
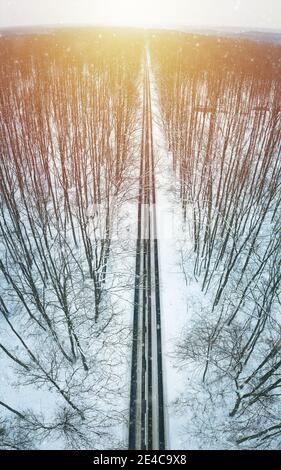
[{"x": 189, "y": 27}]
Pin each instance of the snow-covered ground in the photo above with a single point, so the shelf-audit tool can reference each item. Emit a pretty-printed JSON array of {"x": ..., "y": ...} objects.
[
  {"x": 67, "y": 277},
  {"x": 173, "y": 287},
  {"x": 66, "y": 382},
  {"x": 228, "y": 333}
]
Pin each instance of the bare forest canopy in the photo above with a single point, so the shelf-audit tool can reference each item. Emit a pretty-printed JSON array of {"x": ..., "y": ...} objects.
[
  {"x": 68, "y": 109},
  {"x": 221, "y": 110},
  {"x": 70, "y": 104}
]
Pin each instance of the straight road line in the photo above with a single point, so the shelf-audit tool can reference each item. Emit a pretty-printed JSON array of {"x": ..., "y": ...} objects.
[{"x": 147, "y": 420}]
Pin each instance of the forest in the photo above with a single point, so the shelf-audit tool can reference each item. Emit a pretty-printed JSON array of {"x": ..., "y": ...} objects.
[
  {"x": 71, "y": 140},
  {"x": 221, "y": 111},
  {"x": 68, "y": 131}
]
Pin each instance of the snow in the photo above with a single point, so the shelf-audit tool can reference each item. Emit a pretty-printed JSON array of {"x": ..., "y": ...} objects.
[
  {"x": 102, "y": 392},
  {"x": 197, "y": 412},
  {"x": 173, "y": 289}
]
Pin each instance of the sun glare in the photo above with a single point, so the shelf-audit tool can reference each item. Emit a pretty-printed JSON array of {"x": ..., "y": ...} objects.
[{"x": 138, "y": 12}]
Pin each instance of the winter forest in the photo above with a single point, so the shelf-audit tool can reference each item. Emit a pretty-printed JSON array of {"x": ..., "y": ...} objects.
[{"x": 140, "y": 249}]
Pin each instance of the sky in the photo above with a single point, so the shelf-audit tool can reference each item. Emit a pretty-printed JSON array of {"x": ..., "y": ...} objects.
[{"x": 238, "y": 13}]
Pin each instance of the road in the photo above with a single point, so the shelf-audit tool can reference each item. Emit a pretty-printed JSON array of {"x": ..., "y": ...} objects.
[{"x": 146, "y": 422}]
